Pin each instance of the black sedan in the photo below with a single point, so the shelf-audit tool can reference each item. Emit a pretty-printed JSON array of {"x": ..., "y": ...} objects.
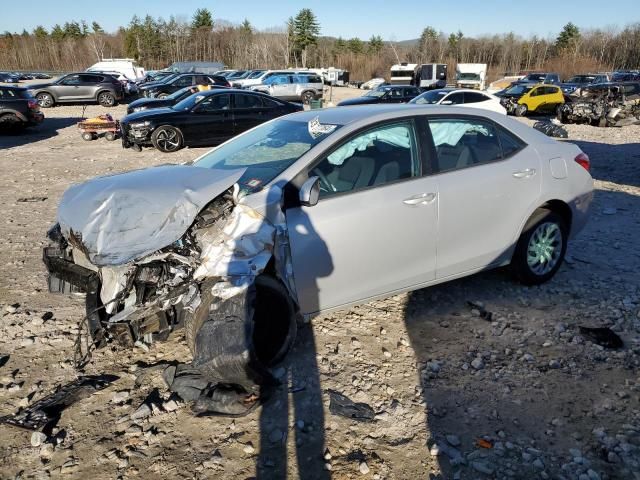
[
  {"x": 173, "y": 84},
  {"x": 384, "y": 94},
  {"x": 147, "y": 103},
  {"x": 205, "y": 119}
]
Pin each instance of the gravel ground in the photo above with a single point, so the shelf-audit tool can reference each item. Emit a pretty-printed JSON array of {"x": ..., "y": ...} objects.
[{"x": 522, "y": 396}]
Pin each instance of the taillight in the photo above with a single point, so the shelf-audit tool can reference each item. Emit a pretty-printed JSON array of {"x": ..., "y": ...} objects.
[
  {"x": 583, "y": 161},
  {"x": 33, "y": 105}
]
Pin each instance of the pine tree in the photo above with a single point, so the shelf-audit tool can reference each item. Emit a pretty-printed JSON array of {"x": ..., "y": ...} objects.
[
  {"x": 355, "y": 45},
  {"x": 306, "y": 31},
  {"x": 375, "y": 44},
  {"x": 57, "y": 33},
  {"x": 246, "y": 27},
  {"x": 568, "y": 37},
  {"x": 202, "y": 19},
  {"x": 95, "y": 26},
  {"x": 40, "y": 32}
]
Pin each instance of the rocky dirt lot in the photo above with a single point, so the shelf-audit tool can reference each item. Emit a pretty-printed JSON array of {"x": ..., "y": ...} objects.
[{"x": 457, "y": 395}]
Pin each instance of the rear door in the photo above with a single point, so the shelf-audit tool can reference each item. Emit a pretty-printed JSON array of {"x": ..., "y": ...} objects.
[
  {"x": 210, "y": 122},
  {"x": 487, "y": 180},
  {"x": 89, "y": 86},
  {"x": 248, "y": 111},
  {"x": 374, "y": 229}
]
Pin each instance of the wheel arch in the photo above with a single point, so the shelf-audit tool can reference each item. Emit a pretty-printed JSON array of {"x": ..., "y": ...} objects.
[
  {"x": 48, "y": 92},
  {"x": 555, "y": 205},
  {"x": 13, "y": 112},
  {"x": 105, "y": 90}
]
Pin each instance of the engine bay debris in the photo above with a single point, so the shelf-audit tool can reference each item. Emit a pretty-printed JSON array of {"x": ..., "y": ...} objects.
[{"x": 603, "y": 105}]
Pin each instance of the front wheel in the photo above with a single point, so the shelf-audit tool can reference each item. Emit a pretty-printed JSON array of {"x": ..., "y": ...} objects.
[
  {"x": 162, "y": 96},
  {"x": 106, "y": 99},
  {"x": 541, "y": 248},
  {"x": 167, "y": 139},
  {"x": 521, "y": 110}
]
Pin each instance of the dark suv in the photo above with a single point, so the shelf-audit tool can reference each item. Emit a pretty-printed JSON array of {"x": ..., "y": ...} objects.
[
  {"x": 79, "y": 87},
  {"x": 18, "y": 108},
  {"x": 173, "y": 84}
]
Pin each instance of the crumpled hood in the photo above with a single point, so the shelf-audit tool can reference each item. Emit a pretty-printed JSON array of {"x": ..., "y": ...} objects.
[{"x": 124, "y": 217}]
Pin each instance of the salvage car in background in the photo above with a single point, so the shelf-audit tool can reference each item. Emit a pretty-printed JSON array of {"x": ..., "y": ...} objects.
[
  {"x": 604, "y": 105},
  {"x": 460, "y": 97},
  {"x": 173, "y": 84},
  {"x": 384, "y": 94},
  {"x": 522, "y": 98},
  {"x": 79, "y": 87},
  {"x": 18, "y": 109},
  {"x": 580, "y": 81},
  {"x": 204, "y": 119},
  {"x": 299, "y": 87},
  {"x": 297, "y": 215}
]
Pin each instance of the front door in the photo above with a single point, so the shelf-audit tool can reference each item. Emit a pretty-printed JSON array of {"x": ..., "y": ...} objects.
[
  {"x": 374, "y": 229},
  {"x": 68, "y": 88},
  {"x": 487, "y": 180},
  {"x": 210, "y": 122}
]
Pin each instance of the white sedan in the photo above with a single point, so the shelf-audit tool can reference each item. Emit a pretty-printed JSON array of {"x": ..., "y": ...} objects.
[{"x": 460, "y": 97}]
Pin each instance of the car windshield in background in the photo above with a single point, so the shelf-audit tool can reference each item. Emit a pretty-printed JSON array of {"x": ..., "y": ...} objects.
[
  {"x": 179, "y": 94},
  {"x": 518, "y": 90},
  {"x": 255, "y": 74},
  {"x": 378, "y": 93},
  {"x": 266, "y": 151},
  {"x": 468, "y": 76},
  {"x": 534, "y": 77},
  {"x": 581, "y": 79},
  {"x": 429, "y": 98}
]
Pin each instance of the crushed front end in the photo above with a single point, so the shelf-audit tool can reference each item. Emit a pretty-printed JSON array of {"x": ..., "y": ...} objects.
[{"x": 605, "y": 105}]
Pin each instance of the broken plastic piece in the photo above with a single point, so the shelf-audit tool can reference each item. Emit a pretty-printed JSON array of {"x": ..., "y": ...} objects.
[
  {"x": 47, "y": 410},
  {"x": 345, "y": 407},
  {"x": 604, "y": 337},
  {"x": 482, "y": 443}
]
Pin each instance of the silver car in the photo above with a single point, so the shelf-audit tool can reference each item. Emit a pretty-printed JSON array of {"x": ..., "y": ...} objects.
[
  {"x": 311, "y": 212},
  {"x": 302, "y": 87}
]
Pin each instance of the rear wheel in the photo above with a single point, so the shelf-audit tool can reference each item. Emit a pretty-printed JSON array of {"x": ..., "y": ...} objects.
[
  {"x": 521, "y": 110},
  {"x": 106, "y": 99},
  {"x": 88, "y": 136},
  {"x": 45, "y": 100},
  {"x": 110, "y": 136},
  {"x": 307, "y": 97},
  {"x": 167, "y": 139},
  {"x": 541, "y": 248},
  {"x": 162, "y": 96},
  {"x": 10, "y": 121}
]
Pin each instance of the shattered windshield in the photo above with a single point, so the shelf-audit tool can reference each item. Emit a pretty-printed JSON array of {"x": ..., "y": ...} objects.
[
  {"x": 266, "y": 151},
  {"x": 430, "y": 98}
]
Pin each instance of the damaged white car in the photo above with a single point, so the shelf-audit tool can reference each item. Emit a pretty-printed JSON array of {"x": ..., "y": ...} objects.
[{"x": 310, "y": 212}]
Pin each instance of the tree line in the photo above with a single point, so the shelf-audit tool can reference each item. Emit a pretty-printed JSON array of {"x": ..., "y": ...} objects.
[{"x": 158, "y": 42}]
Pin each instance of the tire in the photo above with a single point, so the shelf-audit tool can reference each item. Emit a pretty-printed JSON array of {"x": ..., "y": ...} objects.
[
  {"x": 271, "y": 339},
  {"x": 10, "y": 121},
  {"x": 167, "y": 139},
  {"x": 110, "y": 136},
  {"x": 106, "y": 99},
  {"x": 307, "y": 97},
  {"x": 45, "y": 100},
  {"x": 541, "y": 248},
  {"x": 88, "y": 136},
  {"x": 521, "y": 110},
  {"x": 162, "y": 96}
]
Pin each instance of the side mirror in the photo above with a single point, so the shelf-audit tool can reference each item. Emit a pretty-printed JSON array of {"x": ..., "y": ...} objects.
[
  {"x": 310, "y": 192},
  {"x": 446, "y": 102}
]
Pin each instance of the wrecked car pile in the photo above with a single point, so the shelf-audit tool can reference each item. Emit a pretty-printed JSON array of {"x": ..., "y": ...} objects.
[
  {"x": 111, "y": 242},
  {"x": 604, "y": 105}
]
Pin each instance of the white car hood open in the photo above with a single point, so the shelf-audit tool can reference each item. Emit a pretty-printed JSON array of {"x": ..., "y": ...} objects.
[{"x": 124, "y": 217}]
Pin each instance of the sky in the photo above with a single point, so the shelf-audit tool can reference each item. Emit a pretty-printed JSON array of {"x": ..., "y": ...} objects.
[{"x": 392, "y": 19}]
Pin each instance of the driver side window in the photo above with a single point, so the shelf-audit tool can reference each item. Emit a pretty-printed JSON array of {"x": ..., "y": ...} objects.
[
  {"x": 215, "y": 103},
  {"x": 372, "y": 158},
  {"x": 71, "y": 80}
]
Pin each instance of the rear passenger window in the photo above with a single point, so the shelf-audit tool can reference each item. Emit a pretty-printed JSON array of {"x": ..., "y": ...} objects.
[
  {"x": 375, "y": 157},
  {"x": 473, "y": 97},
  {"x": 267, "y": 102},
  {"x": 464, "y": 143},
  {"x": 455, "y": 98},
  {"x": 509, "y": 143},
  {"x": 248, "y": 101}
]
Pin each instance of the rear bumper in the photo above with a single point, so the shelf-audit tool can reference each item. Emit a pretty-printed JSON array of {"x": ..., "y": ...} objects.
[{"x": 36, "y": 118}]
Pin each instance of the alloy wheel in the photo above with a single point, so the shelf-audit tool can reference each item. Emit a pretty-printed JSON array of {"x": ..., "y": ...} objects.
[
  {"x": 168, "y": 140},
  {"x": 545, "y": 248}
]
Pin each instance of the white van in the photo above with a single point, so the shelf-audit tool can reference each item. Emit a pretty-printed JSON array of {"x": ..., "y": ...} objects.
[{"x": 126, "y": 66}]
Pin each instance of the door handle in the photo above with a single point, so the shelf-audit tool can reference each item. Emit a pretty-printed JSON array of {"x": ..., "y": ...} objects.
[
  {"x": 420, "y": 199},
  {"x": 528, "y": 172}
]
